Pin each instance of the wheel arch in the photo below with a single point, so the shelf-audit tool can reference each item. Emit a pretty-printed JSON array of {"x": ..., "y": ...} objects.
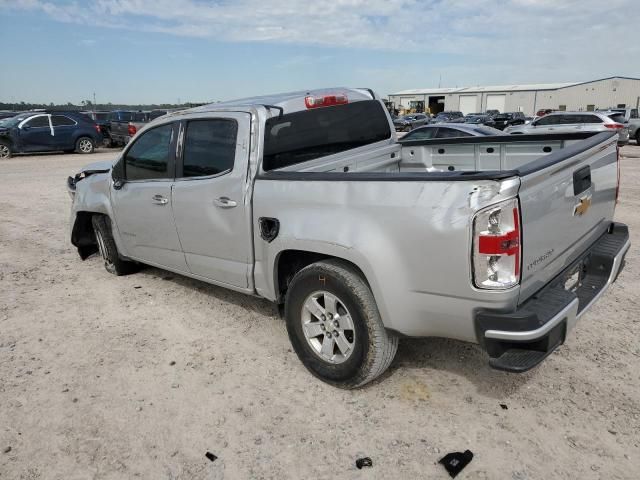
[{"x": 289, "y": 262}]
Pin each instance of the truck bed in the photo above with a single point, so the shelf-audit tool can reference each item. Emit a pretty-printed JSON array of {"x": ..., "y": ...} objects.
[{"x": 415, "y": 200}]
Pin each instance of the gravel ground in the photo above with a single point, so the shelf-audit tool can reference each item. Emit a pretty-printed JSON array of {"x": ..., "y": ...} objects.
[{"x": 109, "y": 378}]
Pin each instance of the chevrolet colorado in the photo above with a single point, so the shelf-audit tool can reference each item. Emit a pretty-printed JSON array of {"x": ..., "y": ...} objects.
[{"x": 308, "y": 200}]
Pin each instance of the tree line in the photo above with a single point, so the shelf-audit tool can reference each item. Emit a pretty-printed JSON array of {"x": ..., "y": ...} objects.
[{"x": 88, "y": 105}]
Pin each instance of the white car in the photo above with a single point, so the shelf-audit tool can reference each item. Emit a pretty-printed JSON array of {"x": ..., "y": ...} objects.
[{"x": 569, "y": 122}]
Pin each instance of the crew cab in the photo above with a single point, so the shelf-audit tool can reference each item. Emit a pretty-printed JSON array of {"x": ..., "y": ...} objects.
[{"x": 307, "y": 199}]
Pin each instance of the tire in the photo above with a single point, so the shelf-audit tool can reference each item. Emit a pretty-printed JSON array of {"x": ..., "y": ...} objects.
[
  {"x": 107, "y": 248},
  {"x": 361, "y": 350},
  {"x": 5, "y": 151},
  {"x": 85, "y": 145},
  {"x": 638, "y": 137}
]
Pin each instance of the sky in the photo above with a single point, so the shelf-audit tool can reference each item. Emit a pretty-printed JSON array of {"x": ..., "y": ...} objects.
[{"x": 170, "y": 51}]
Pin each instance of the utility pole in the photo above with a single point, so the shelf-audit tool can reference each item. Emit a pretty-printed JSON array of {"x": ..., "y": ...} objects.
[
  {"x": 440, "y": 81},
  {"x": 94, "y": 99}
]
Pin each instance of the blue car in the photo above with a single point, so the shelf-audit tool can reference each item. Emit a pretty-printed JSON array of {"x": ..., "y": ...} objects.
[{"x": 48, "y": 131}]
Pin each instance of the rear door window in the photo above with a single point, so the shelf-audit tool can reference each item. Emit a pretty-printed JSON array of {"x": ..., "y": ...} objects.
[
  {"x": 61, "y": 121},
  {"x": 309, "y": 134},
  {"x": 589, "y": 119},
  {"x": 150, "y": 155},
  {"x": 209, "y": 147}
]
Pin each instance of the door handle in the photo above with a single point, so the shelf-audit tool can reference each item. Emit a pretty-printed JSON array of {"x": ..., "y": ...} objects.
[
  {"x": 224, "y": 202},
  {"x": 160, "y": 200}
]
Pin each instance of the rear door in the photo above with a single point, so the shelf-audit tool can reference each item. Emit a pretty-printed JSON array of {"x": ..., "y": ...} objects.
[
  {"x": 210, "y": 202},
  {"x": 142, "y": 205},
  {"x": 565, "y": 207},
  {"x": 63, "y": 130}
]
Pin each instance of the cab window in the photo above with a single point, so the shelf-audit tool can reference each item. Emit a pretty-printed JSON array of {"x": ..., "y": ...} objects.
[
  {"x": 150, "y": 155},
  {"x": 209, "y": 147}
]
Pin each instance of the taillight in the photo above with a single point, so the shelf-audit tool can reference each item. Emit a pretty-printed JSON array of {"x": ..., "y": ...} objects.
[
  {"x": 326, "y": 100},
  {"x": 132, "y": 130},
  {"x": 615, "y": 126},
  {"x": 98, "y": 128},
  {"x": 497, "y": 246}
]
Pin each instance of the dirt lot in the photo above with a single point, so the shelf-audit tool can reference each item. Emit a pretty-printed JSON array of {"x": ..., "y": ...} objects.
[{"x": 89, "y": 387}]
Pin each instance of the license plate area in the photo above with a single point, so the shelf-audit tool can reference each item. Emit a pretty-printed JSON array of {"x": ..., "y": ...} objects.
[{"x": 572, "y": 280}]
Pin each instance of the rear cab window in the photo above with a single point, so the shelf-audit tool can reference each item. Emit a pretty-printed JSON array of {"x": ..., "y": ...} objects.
[{"x": 301, "y": 136}]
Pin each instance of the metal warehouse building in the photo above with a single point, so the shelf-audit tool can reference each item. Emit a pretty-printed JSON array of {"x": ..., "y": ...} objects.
[{"x": 596, "y": 94}]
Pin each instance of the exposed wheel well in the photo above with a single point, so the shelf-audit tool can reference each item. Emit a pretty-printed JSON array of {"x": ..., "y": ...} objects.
[
  {"x": 82, "y": 235},
  {"x": 290, "y": 262}
]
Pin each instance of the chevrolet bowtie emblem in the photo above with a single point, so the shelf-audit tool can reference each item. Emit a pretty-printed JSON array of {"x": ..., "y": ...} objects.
[{"x": 582, "y": 207}]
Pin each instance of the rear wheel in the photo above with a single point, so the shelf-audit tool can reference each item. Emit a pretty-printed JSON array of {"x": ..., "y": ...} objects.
[
  {"x": 108, "y": 249},
  {"x": 5, "y": 151},
  {"x": 84, "y": 145},
  {"x": 335, "y": 327},
  {"x": 638, "y": 137}
]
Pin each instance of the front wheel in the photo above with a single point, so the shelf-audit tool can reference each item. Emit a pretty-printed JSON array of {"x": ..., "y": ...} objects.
[
  {"x": 5, "y": 151},
  {"x": 84, "y": 145},
  {"x": 108, "y": 249},
  {"x": 335, "y": 327}
]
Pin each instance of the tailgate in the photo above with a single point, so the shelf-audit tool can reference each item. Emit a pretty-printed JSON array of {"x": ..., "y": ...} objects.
[{"x": 567, "y": 200}]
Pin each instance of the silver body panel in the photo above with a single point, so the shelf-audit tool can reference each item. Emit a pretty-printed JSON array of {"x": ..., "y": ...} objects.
[{"x": 410, "y": 239}]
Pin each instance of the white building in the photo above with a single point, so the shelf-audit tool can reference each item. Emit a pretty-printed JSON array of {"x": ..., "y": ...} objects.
[{"x": 596, "y": 94}]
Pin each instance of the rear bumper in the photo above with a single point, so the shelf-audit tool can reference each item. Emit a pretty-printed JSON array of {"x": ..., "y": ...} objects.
[{"x": 518, "y": 341}]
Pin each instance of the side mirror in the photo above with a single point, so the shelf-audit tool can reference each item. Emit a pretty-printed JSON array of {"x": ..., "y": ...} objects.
[
  {"x": 25, "y": 127},
  {"x": 117, "y": 175}
]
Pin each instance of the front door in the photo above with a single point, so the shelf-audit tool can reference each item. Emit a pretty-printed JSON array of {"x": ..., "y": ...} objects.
[
  {"x": 210, "y": 203},
  {"x": 36, "y": 134},
  {"x": 142, "y": 205}
]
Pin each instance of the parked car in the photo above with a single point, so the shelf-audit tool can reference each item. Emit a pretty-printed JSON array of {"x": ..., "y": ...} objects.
[
  {"x": 450, "y": 131},
  {"x": 492, "y": 113},
  {"x": 568, "y": 122},
  {"x": 504, "y": 120},
  {"x": 629, "y": 113},
  {"x": 406, "y": 123},
  {"x": 7, "y": 114},
  {"x": 46, "y": 132},
  {"x": 631, "y": 120},
  {"x": 446, "y": 117},
  {"x": 479, "y": 119},
  {"x": 102, "y": 120},
  {"x": 124, "y": 125},
  {"x": 346, "y": 228}
]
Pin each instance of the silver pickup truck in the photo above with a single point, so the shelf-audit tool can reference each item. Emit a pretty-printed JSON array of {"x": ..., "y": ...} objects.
[{"x": 307, "y": 199}]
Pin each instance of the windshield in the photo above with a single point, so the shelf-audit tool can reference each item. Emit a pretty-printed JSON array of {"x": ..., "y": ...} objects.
[
  {"x": 101, "y": 117},
  {"x": 474, "y": 119},
  {"x": 488, "y": 131}
]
